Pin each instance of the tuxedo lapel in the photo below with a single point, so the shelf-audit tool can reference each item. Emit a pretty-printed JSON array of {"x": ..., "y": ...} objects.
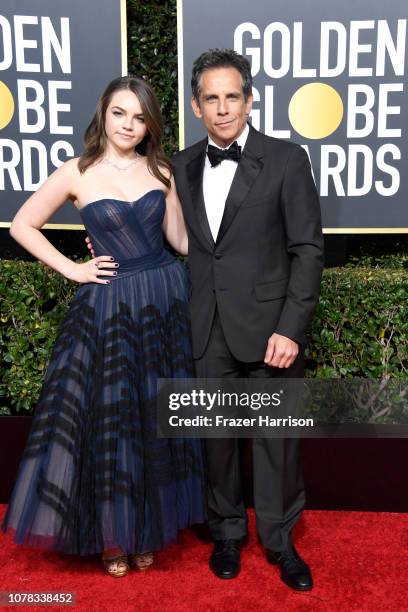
[
  {"x": 195, "y": 171},
  {"x": 248, "y": 169}
]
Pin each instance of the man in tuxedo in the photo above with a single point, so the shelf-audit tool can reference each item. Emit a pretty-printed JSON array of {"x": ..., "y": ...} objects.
[{"x": 255, "y": 258}]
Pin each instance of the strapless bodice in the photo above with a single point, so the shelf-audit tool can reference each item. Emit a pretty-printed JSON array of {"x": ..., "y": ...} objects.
[
  {"x": 131, "y": 232},
  {"x": 126, "y": 230}
]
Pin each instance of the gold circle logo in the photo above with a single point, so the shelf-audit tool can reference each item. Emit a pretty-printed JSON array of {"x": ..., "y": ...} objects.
[
  {"x": 316, "y": 110},
  {"x": 6, "y": 105}
]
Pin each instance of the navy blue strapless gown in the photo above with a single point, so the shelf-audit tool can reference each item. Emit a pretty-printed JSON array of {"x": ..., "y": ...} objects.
[{"x": 94, "y": 475}]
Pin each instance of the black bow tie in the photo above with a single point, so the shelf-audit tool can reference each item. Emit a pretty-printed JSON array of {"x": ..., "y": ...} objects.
[{"x": 216, "y": 155}]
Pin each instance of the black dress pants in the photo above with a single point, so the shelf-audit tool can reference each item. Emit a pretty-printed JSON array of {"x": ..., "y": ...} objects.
[{"x": 277, "y": 475}]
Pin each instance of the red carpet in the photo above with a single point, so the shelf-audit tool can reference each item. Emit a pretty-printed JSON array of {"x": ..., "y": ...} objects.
[{"x": 359, "y": 561}]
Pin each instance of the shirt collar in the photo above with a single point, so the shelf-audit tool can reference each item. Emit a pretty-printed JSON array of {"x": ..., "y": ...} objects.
[{"x": 241, "y": 140}]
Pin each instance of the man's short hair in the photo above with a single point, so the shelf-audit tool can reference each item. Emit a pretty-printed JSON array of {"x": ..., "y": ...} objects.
[{"x": 221, "y": 58}]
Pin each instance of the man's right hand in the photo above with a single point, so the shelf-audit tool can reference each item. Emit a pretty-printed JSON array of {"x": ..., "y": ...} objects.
[{"x": 89, "y": 245}]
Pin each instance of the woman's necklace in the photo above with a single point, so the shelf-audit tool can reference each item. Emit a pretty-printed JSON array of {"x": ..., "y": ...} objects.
[{"x": 109, "y": 162}]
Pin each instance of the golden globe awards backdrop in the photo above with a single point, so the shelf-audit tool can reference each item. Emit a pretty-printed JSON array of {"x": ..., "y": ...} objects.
[
  {"x": 55, "y": 59},
  {"x": 329, "y": 75}
]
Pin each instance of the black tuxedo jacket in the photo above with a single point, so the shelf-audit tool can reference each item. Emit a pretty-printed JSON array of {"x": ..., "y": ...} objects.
[{"x": 263, "y": 272}]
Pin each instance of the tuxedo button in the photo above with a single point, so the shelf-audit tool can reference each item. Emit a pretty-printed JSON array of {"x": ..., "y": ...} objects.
[{"x": 218, "y": 256}]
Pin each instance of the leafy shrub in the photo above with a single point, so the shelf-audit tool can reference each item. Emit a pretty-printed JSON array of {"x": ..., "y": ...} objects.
[
  {"x": 33, "y": 301},
  {"x": 360, "y": 328},
  {"x": 152, "y": 54}
]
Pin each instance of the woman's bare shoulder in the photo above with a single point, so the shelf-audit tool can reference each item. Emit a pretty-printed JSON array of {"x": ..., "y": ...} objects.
[
  {"x": 70, "y": 167},
  {"x": 166, "y": 170}
]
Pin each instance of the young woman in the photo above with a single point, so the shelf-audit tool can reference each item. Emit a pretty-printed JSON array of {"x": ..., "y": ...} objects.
[{"x": 94, "y": 477}]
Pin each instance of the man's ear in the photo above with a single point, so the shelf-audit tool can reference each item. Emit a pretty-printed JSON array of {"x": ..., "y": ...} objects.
[
  {"x": 196, "y": 108},
  {"x": 248, "y": 104}
]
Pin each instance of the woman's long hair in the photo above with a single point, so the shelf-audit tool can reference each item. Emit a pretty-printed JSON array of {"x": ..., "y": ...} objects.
[{"x": 150, "y": 146}]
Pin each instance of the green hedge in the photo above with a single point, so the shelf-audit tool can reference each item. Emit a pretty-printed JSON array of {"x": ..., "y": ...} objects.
[
  {"x": 33, "y": 301},
  {"x": 152, "y": 54},
  {"x": 360, "y": 327}
]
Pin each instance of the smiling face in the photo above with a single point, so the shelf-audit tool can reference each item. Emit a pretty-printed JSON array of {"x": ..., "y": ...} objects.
[
  {"x": 222, "y": 105},
  {"x": 124, "y": 122}
]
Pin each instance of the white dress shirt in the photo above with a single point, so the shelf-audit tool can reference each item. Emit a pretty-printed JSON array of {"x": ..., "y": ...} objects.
[{"x": 217, "y": 183}]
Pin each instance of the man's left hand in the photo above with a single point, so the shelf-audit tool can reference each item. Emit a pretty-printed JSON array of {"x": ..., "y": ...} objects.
[
  {"x": 281, "y": 351},
  {"x": 90, "y": 246}
]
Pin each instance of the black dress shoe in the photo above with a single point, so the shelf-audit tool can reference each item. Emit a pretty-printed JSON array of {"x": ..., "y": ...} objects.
[
  {"x": 225, "y": 558},
  {"x": 294, "y": 571}
]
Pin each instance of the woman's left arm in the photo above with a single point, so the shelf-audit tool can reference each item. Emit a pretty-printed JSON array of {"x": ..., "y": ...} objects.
[{"x": 174, "y": 227}]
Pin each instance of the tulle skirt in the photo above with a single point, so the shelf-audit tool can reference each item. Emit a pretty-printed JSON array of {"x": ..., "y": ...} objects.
[{"x": 94, "y": 475}]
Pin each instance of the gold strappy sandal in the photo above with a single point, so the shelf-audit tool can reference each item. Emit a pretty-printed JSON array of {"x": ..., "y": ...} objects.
[
  {"x": 117, "y": 567},
  {"x": 141, "y": 561}
]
